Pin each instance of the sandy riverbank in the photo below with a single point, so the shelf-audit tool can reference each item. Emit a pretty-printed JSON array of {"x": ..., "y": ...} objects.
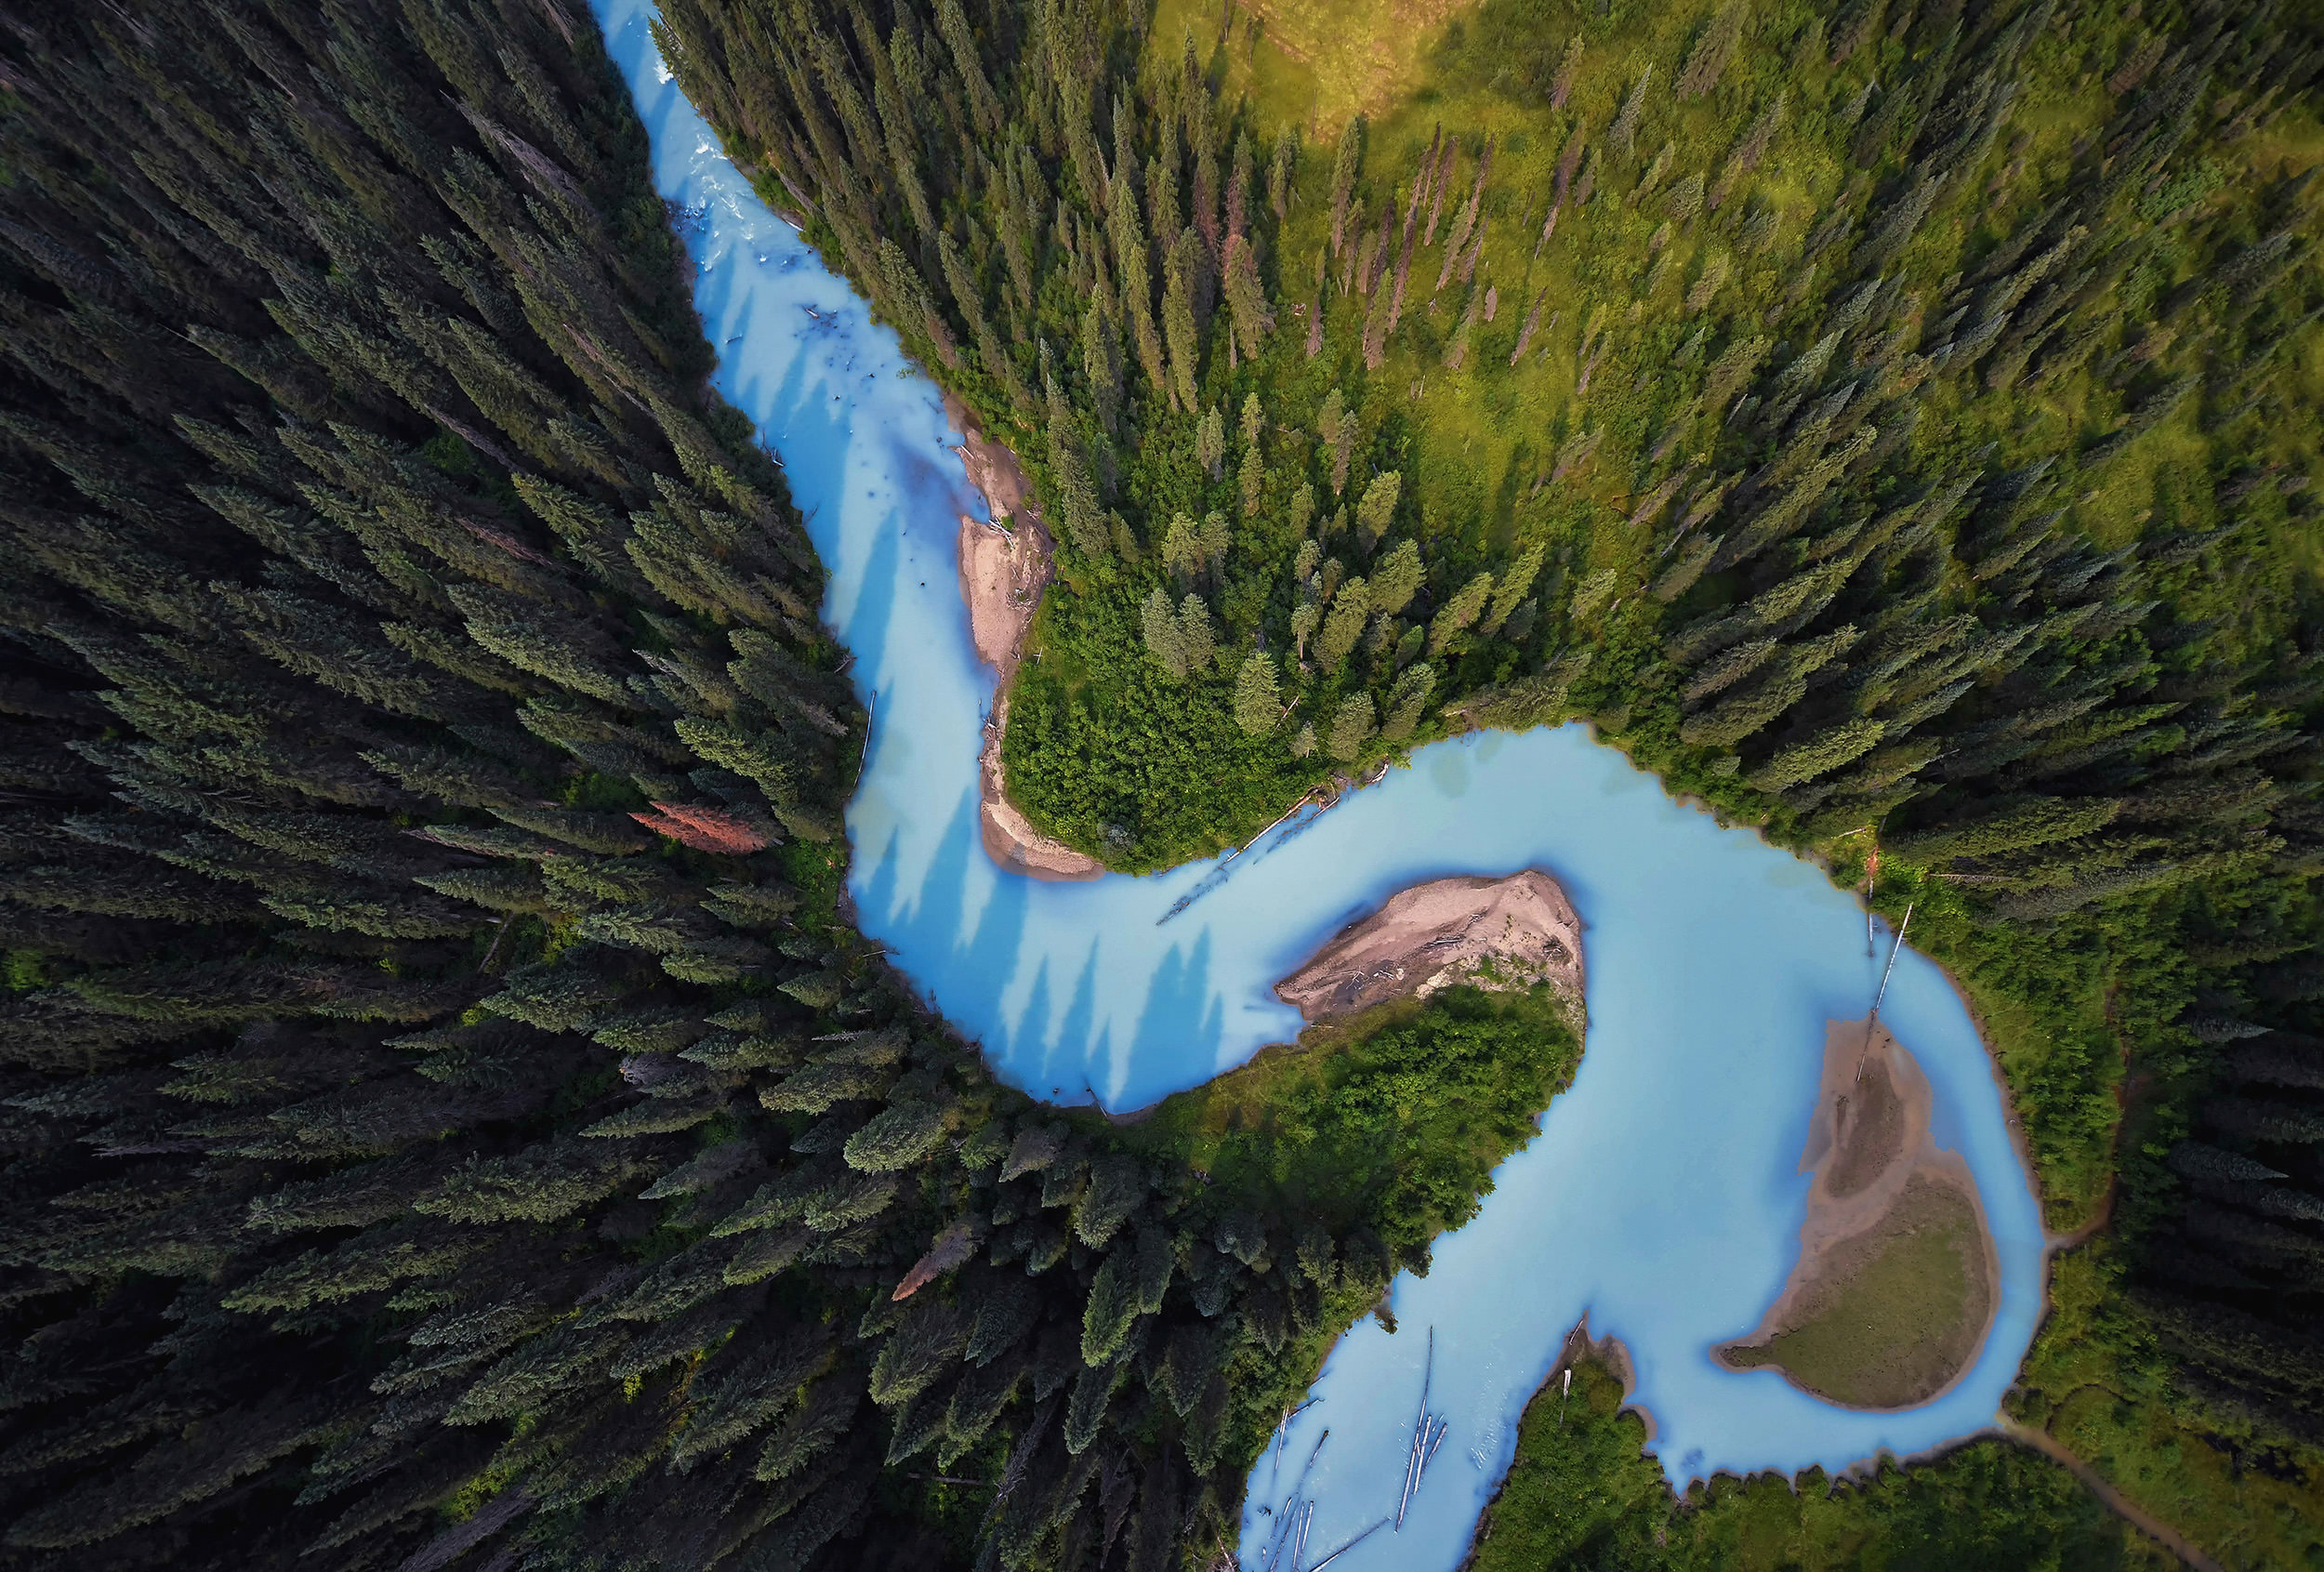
[
  {"x": 1490, "y": 934},
  {"x": 1004, "y": 567},
  {"x": 1895, "y": 1288}
]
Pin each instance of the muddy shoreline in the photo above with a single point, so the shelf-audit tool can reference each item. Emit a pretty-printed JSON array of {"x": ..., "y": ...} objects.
[{"x": 1004, "y": 567}]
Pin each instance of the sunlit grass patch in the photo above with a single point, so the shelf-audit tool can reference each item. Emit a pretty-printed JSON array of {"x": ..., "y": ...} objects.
[
  {"x": 1314, "y": 62},
  {"x": 1900, "y": 1314}
]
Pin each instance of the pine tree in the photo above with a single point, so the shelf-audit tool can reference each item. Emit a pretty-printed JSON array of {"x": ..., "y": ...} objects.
[
  {"x": 1378, "y": 508},
  {"x": 1351, "y": 608},
  {"x": 1379, "y": 314},
  {"x": 1257, "y": 705},
  {"x": 1195, "y": 635},
  {"x": 1396, "y": 578},
  {"x": 1280, "y": 167},
  {"x": 1708, "y": 61},
  {"x": 1622, "y": 136},
  {"x": 1183, "y": 552},
  {"x": 1248, "y": 312},
  {"x": 1406, "y": 702},
  {"x": 1352, "y": 727},
  {"x": 1305, "y": 616},
  {"x": 1456, "y": 347},
  {"x": 953, "y": 23},
  {"x": 1077, "y": 490},
  {"x": 1466, "y": 605},
  {"x": 1346, "y": 160},
  {"x": 1211, "y": 443},
  {"x": 1102, "y": 365},
  {"x": 1178, "y": 318},
  {"x": 1568, "y": 73},
  {"x": 1333, "y": 424},
  {"x": 1164, "y": 642},
  {"x": 1510, "y": 588}
]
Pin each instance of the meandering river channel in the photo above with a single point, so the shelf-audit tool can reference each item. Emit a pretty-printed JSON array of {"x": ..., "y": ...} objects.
[{"x": 1662, "y": 1197}]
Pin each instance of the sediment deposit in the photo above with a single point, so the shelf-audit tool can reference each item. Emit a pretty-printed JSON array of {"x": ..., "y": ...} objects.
[{"x": 1506, "y": 932}]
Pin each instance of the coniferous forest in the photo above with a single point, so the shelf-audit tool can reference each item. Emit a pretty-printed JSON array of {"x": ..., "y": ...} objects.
[{"x": 449, "y": 1121}]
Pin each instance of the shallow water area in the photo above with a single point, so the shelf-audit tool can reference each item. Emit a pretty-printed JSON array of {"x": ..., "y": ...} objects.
[{"x": 1663, "y": 1197}]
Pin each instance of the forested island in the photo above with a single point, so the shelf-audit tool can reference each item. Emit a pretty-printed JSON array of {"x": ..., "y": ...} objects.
[{"x": 451, "y": 1121}]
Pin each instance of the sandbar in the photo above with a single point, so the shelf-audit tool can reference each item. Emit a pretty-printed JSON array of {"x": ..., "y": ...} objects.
[
  {"x": 1890, "y": 1220},
  {"x": 1474, "y": 930}
]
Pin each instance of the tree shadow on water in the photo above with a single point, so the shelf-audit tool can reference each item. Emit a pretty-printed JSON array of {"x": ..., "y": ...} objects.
[
  {"x": 986, "y": 960},
  {"x": 1180, "y": 1026},
  {"x": 1066, "y": 1057},
  {"x": 871, "y": 614}
]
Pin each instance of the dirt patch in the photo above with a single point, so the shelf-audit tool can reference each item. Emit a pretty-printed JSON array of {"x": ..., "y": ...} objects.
[
  {"x": 1002, "y": 574},
  {"x": 1870, "y": 1117},
  {"x": 1004, "y": 567},
  {"x": 1895, "y": 1291},
  {"x": 1490, "y": 934}
]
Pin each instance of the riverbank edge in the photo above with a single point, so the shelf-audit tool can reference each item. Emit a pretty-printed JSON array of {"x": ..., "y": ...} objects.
[
  {"x": 2001, "y": 1427},
  {"x": 2053, "y": 1244},
  {"x": 1003, "y": 575},
  {"x": 1578, "y": 1347}
]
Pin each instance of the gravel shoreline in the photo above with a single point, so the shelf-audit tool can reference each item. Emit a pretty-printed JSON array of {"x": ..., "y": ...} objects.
[{"x": 1003, "y": 571}]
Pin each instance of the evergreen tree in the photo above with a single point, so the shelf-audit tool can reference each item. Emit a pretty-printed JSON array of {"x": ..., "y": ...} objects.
[
  {"x": 1466, "y": 605},
  {"x": 1622, "y": 136},
  {"x": 1257, "y": 705},
  {"x": 1195, "y": 635},
  {"x": 1346, "y": 160},
  {"x": 1164, "y": 642},
  {"x": 1352, "y": 726},
  {"x": 1351, "y": 609},
  {"x": 1378, "y": 508},
  {"x": 1210, "y": 442},
  {"x": 1405, "y": 701},
  {"x": 1398, "y": 578},
  {"x": 1179, "y": 330}
]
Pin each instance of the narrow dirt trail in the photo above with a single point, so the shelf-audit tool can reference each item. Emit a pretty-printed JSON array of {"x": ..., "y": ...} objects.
[{"x": 2123, "y": 1506}]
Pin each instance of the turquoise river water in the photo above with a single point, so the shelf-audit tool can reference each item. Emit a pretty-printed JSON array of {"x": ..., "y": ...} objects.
[{"x": 1663, "y": 1195}]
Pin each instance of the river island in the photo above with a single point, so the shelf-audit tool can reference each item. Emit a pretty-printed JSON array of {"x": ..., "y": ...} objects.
[{"x": 1894, "y": 1288}]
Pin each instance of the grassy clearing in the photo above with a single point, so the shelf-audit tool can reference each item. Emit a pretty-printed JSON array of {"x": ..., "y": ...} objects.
[
  {"x": 1900, "y": 1312},
  {"x": 1581, "y": 1495},
  {"x": 1315, "y": 62}
]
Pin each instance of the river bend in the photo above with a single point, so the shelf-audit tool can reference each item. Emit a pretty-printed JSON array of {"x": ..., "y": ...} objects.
[{"x": 1662, "y": 1197}]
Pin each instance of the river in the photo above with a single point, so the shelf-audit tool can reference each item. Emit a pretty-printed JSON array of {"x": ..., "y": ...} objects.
[{"x": 1663, "y": 1195}]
